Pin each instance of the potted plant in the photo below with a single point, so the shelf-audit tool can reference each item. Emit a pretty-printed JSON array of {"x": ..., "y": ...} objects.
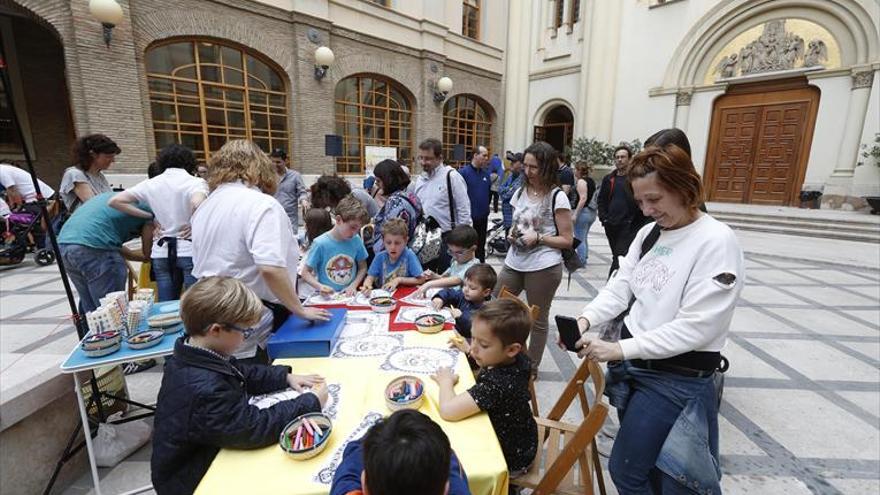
[{"x": 866, "y": 177}]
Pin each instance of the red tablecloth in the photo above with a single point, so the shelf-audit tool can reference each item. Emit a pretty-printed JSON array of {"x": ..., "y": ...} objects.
[{"x": 399, "y": 294}]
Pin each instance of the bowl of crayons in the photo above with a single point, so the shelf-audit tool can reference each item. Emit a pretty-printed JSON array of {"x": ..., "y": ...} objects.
[
  {"x": 143, "y": 340},
  {"x": 404, "y": 392},
  {"x": 383, "y": 304},
  {"x": 101, "y": 344},
  {"x": 306, "y": 436},
  {"x": 430, "y": 323}
]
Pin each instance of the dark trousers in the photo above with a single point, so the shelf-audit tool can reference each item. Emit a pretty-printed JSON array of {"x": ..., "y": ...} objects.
[
  {"x": 481, "y": 225},
  {"x": 493, "y": 200},
  {"x": 615, "y": 233}
]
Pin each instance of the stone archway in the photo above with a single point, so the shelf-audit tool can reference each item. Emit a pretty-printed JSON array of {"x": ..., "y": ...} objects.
[
  {"x": 36, "y": 61},
  {"x": 556, "y": 127}
]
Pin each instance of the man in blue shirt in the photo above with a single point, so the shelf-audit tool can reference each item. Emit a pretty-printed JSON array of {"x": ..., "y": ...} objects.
[{"x": 479, "y": 182}]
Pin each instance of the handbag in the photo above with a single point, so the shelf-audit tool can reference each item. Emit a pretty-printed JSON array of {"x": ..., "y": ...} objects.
[
  {"x": 428, "y": 237},
  {"x": 570, "y": 258}
]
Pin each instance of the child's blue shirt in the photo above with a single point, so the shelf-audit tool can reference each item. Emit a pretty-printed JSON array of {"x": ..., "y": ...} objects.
[
  {"x": 384, "y": 270},
  {"x": 455, "y": 297},
  {"x": 335, "y": 262}
]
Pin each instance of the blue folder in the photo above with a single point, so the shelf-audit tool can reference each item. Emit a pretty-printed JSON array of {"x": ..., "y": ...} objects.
[{"x": 302, "y": 338}]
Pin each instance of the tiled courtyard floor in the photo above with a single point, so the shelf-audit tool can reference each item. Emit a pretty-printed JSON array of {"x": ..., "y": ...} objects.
[{"x": 801, "y": 408}]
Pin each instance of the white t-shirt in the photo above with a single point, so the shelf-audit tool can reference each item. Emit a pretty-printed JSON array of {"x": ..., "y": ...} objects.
[
  {"x": 686, "y": 289},
  {"x": 169, "y": 195},
  {"x": 13, "y": 176},
  {"x": 237, "y": 228},
  {"x": 434, "y": 196},
  {"x": 535, "y": 215},
  {"x": 4, "y": 209},
  {"x": 234, "y": 230}
]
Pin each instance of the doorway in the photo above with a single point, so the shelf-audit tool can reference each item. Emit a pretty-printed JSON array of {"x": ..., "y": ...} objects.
[
  {"x": 557, "y": 129},
  {"x": 759, "y": 142}
]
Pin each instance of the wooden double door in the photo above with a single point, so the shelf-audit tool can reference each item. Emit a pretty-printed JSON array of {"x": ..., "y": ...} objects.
[{"x": 759, "y": 142}]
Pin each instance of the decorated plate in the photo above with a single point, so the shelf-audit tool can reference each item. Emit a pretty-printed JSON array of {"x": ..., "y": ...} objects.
[{"x": 422, "y": 360}]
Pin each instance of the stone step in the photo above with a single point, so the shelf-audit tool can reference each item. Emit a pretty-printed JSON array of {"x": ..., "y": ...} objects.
[
  {"x": 854, "y": 220},
  {"x": 828, "y": 233},
  {"x": 819, "y": 225}
]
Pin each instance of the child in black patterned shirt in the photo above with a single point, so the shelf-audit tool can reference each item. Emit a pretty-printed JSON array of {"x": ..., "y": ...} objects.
[{"x": 499, "y": 331}]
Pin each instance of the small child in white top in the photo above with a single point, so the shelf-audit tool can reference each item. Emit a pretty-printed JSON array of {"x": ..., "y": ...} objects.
[{"x": 462, "y": 244}]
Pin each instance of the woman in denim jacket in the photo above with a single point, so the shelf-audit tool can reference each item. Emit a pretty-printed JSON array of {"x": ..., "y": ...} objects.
[{"x": 681, "y": 295}]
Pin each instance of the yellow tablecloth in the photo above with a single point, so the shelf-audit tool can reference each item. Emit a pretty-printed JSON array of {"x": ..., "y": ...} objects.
[{"x": 271, "y": 471}]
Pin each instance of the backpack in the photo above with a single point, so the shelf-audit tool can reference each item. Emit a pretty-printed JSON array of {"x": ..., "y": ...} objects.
[{"x": 428, "y": 237}]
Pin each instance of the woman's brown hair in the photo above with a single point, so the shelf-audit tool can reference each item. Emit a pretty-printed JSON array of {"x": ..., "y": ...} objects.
[
  {"x": 548, "y": 168},
  {"x": 242, "y": 160},
  {"x": 674, "y": 170},
  {"x": 583, "y": 169},
  {"x": 85, "y": 146}
]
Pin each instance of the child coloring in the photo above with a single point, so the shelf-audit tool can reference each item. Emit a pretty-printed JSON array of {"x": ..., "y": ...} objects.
[
  {"x": 203, "y": 401},
  {"x": 479, "y": 280},
  {"x": 397, "y": 264},
  {"x": 337, "y": 260},
  {"x": 462, "y": 246},
  {"x": 405, "y": 453},
  {"x": 499, "y": 333}
]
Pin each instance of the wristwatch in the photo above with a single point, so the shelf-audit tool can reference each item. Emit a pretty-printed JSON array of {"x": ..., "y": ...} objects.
[{"x": 540, "y": 238}]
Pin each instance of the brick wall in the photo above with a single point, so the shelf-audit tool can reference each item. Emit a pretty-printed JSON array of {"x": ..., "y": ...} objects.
[{"x": 109, "y": 89}]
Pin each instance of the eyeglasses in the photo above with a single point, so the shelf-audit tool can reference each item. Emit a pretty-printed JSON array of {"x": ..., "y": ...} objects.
[
  {"x": 247, "y": 332},
  {"x": 456, "y": 253}
]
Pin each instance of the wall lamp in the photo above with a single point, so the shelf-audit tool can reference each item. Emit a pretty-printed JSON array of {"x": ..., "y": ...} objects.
[
  {"x": 442, "y": 88},
  {"x": 323, "y": 58},
  {"x": 109, "y": 13}
]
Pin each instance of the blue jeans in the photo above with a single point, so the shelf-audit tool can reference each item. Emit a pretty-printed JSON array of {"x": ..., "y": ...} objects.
[
  {"x": 170, "y": 284},
  {"x": 667, "y": 423},
  {"x": 582, "y": 225},
  {"x": 94, "y": 273}
]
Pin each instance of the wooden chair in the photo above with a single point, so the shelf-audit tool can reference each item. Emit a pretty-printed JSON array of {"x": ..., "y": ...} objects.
[
  {"x": 505, "y": 293},
  {"x": 561, "y": 445}
]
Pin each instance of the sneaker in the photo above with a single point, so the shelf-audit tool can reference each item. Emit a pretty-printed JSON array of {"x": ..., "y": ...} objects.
[{"x": 138, "y": 366}]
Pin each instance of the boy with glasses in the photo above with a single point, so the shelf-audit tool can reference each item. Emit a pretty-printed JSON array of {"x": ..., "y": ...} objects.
[
  {"x": 462, "y": 248},
  {"x": 203, "y": 402}
]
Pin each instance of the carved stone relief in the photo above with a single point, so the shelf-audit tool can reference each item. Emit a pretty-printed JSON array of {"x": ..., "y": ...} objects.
[
  {"x": 774, "y": 50},
  {"x": 863, "y": 79}
]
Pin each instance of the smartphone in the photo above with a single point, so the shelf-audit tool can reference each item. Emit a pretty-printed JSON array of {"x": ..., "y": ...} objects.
[{"x": 568, "y": 331}]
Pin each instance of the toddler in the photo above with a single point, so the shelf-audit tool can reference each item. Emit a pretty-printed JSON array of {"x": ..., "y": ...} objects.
[{"x": 479, "y": 280}]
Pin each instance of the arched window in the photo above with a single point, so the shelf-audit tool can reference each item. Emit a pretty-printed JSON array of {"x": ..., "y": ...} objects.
[
  {"x": 371, "y": 111},
  {"x": 204, "y": 92},
  {"x": 467, "y": 120}
]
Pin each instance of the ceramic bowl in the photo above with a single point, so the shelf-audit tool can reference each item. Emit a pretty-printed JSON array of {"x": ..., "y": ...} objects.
[
  {"x": 383, "y": 304},
  {"x": 404, "y": 392},
  {"x": 430, "y": 323},
  {"x": 164, "y": 320},
  {"x": 103, "y": 351},
  {"x": 143, "y": 340},
  {"x": 95, "y": 342},
  {"x": 287, "y": 439}
]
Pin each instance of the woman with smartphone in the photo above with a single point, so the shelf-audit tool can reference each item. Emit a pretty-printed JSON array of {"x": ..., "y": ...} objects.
[
  {"x": 680, "y": 294},
  {"x": 542, "y": 227}
]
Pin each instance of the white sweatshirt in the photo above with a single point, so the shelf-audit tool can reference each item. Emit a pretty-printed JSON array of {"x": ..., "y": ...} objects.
[{"x": 686, "y": 289}]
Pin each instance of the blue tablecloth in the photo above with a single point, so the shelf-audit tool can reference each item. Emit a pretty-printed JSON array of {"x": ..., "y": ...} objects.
[{"x": 78, "y": 361}]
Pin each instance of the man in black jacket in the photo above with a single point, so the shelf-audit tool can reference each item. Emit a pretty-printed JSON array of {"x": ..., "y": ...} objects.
[
  {"x": 618, "y": 211},
  {"x": 203, "y": 403}
]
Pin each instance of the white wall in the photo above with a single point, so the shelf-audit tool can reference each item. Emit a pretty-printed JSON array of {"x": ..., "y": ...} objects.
[
  {"x": 699, "y": 121},
  {"x": 872, "y": 119},
  {"x": 650, "y": 37},
  {"x": 551, "y": 88},
  {"x": 830, "y": 123}
]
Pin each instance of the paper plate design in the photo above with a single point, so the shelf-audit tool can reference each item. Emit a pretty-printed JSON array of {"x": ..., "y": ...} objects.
[
  {"x": 370, "y": 345},
  {"x": 421, "y": 360}
]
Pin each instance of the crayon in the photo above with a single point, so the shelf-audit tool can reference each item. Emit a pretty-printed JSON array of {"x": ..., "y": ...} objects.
[
  {"x": 299, "y": 432},
  {"x": 305, "y": 423}
]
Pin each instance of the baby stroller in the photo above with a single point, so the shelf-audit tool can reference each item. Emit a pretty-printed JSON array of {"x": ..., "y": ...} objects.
[
  {"x": 496, "y": 238},
  {"x": 17, "y": 230}
]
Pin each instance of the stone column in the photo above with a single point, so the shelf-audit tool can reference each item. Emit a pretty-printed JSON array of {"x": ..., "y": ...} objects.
[
  {"x": 682, "y": 109},
  {"x": 855, "y": 122},
  {"x": 516, "y": 77}
]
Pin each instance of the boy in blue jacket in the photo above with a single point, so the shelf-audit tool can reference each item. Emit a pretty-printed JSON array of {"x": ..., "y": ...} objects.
[
  {"x": 203, "y": 402},
  {"x": 479, "y": 281},
  {"x": 403, "y": 453}
]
